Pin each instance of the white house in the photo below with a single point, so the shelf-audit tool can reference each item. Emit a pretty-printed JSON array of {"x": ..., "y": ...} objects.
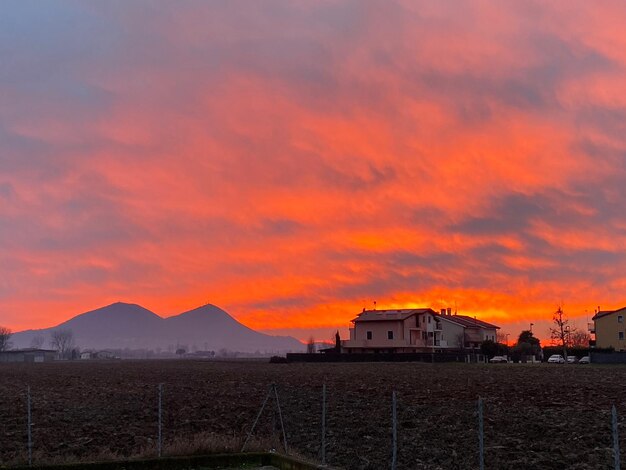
[{"x": 416, "y": 330}]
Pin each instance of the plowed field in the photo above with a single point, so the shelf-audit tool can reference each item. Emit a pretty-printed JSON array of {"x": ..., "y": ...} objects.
[{"x": 536, "y": 416}]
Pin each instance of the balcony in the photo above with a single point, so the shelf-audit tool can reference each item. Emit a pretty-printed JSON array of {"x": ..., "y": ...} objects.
[{"x": 591, "y": 327}]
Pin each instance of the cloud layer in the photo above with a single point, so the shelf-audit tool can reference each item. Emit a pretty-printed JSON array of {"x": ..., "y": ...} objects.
[{"x": 294, "y": 161}]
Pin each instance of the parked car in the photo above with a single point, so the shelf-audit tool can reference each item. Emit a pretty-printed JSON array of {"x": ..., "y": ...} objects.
[
  {"x": 556, "y": 359},
  {"x": 498, "y": 359},
  {"x": 584, "y": 360}
]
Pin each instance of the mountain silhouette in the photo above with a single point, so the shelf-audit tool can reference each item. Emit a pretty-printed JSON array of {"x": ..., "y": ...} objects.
[{"x": 123, "y": 325}]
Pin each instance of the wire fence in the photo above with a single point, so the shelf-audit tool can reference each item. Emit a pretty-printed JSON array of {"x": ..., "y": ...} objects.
[
  {"x": 471, "y": 421},
  {"x": 342, "y": 415}
]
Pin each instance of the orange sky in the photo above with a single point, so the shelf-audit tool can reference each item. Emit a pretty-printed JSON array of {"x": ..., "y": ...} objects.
[{"x": 292, "y": 162}]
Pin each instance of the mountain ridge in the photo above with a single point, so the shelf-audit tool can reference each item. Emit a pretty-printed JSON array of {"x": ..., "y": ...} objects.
[{"x": 127, "y": 325}]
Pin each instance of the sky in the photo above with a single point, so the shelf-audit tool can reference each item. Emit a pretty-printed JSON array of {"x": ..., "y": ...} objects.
[{"x": 294, "y": 161}]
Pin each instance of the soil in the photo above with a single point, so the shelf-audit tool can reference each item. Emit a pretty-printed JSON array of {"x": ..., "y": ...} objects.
[{"x": 535, "y": 416}]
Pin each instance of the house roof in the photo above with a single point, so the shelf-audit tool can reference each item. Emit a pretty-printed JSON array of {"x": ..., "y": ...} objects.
[
  {"x": 391, "y": 315},
  {"x": 468, "y": 322},
  {"x": 604, "y": 313},
  {"x": 403, "y": 314},
  {"x": 28, "y": 350}
]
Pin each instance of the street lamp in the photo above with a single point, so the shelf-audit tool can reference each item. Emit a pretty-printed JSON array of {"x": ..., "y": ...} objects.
[{"x": 531, "y": 327}]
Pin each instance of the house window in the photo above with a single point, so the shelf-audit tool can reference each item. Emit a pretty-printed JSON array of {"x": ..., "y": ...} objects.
[
  {"x": 423, "y": 335},
  {"x": 369, "y": 335},
  {"x": 620, "y": 319},
  {"x": 390, "y": 334},
  {"x": 428, "y": 319},
  {"x": 620, "y": 335}
]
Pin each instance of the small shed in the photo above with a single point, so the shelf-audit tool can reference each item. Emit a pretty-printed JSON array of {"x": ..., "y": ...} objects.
[{"x": 29, "y": 355}]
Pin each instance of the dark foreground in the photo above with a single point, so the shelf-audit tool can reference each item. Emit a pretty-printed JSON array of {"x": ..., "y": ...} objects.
[{"x": 536, "y": 416}]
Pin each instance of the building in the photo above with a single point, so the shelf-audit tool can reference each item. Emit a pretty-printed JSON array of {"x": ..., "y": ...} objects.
[
  {"x": 415, "y": 330},
  {"x": 29, "y": 355},
  {"x": 609, "y": 329},
  {"x": 104, "y": 354}
]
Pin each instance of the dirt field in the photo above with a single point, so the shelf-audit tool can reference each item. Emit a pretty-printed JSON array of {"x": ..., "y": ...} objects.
[{"x": 536, "y": 416}]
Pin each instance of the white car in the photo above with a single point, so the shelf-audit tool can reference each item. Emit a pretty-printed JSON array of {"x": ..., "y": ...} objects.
[
  {"x": 584, "y": 360},
  {"x": 571, "y": 359},
  {"x": 498, "y": 359},
  {"x": 556, "y": 359}
]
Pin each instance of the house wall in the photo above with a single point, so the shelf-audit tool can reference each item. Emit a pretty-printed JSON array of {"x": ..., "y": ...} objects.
[
  {"x": 450, "y": 333},
  {"x": 379, "y": 331},
  {"x": 608, "y": 328},
  {"x": 11, "y": 357}
]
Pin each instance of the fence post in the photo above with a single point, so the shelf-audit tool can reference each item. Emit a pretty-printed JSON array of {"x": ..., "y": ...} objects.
[
  {"x": 280, "y": 416},
  {"x": 267, "y": 397},
  {"x": 160, "y": 420},
  {"x": 324, "y": 424},
  {"x": 30, "y": 424},
  {"x": 394, "y": 431},
  {"x": 481, "y": 445},
  {"x": 616, "y": 455}
]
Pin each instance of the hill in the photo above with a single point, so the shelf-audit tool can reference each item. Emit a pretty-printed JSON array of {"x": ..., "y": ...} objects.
[{"x": 122, "y": 325}]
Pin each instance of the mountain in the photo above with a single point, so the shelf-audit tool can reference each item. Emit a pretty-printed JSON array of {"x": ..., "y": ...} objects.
[{"x": 123, "y": 325}]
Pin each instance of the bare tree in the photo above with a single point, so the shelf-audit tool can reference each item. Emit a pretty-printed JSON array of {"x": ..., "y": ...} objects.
[
  {"x": 562, "y": 331},
  {"x": 63, "y": 341},
  {"x": 310, "y": 345},
  {"x": 37, "y": 342},
  {"x": 579, "y": 339},
  {"x": 460, "y": 341},
  {"x": 5, "y": 336}
]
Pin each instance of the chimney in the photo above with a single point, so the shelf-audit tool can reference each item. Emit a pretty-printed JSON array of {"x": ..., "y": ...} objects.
[
  {"x": 449, "y": 311},
  {"x": 443, "y": 311}
]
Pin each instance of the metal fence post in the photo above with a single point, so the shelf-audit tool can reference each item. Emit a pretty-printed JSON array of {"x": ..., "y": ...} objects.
[
  {"x": 324, "y": 424},
  {"x": 481, "y": 444},
  {"x": 160, "y": 420},
  {"x": 30, "y": 424},
  {"x": 280, "y": 416},
  {"x": 616, "y": 455},
  {"x": 267, "y": 397},
  {"x": 394, "y": 455}
]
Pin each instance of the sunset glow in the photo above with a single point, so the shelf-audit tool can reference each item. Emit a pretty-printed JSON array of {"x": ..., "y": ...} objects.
[{"x": 293, "y": 162}]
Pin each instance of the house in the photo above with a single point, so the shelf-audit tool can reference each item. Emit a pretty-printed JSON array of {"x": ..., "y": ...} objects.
[
  {"x": 29, "y": 355},
  {"x": 609, "y": 329},
  {"x": 104, "y": 354},
  {"x": 415, "y": 330}
]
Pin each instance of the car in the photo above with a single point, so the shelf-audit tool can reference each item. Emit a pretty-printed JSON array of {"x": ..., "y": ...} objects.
[
  {"x": 498, "y": 359},
  {"x": 584, "y": 360},
  {"x": 571, "y": 359},
  {"x": 556, "y": 359}
]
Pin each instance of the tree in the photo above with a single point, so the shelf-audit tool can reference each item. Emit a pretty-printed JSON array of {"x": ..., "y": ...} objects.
[
  {"x": 501, "y": 337},
  {"x": 562, "y": 330},
  {"x": 5, "y": 336},
  {"x": 579, "y": 339},
  {"x": 489, "y": 348},
  {"x": 527, "y": 345},
  {"x": 310, "y": 345},
  {"x": 37, "y": 342},
  {"x": 63, "y": 341},
  {"x": 460, "y": 341}
]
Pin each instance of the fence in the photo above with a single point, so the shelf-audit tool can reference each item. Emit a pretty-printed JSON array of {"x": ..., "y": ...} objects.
[
  {"x": 272, "y": 399},
  {"x": 399, "y": 416}
]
